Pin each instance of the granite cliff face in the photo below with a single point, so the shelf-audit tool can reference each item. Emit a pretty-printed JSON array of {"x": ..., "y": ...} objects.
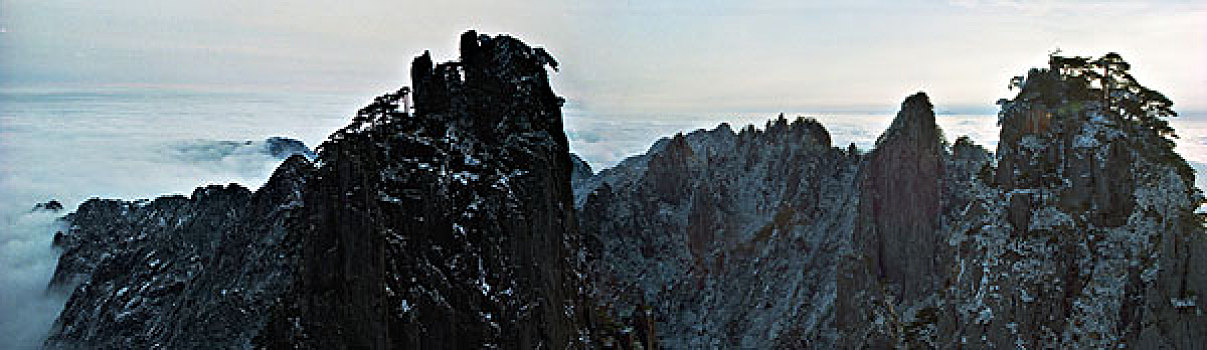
[
  {"x": 898, "y": 249},
  {"x": 1082, "y": 236},
  {"x": 452, "y": 227},
  {"x": 447, "y": 226},
  {"x": 728, "y": 237},
  {"x": 1079, "y": 232},
  {"x": 177, "y": 271}
]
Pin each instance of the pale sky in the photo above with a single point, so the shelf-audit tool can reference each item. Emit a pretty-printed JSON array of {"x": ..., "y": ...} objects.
[{"x": 616, "y": 56}]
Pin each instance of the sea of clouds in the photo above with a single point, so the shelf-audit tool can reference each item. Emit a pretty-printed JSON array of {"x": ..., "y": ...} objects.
[
  {"x": 141, "y": 144},
  {"x": 72, "y": 146}
]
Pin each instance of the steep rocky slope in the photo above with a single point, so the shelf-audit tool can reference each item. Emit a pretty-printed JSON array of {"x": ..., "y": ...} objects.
[
  {"x": 729, "y": 237},
  {"x": 176, "y": 270},
  {"x": 1079, "y": 232},
  {"x": 898, "y": 249},
  {"x": 451, "y": 226},
  {"x": 1083, "y": 236}
]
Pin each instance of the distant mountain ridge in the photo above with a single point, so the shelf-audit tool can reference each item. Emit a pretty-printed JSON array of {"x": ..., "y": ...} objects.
[{"x": 209, "y": 150}]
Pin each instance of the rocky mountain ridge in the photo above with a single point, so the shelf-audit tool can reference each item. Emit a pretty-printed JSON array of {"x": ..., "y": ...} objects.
[
  {"x": 176, "y": 270},
  {"x": 920, "y": 243},
  {"x": 464, "y": 222},
  {"x": 727, "y": 235},
  {"x": 450, "y": 225}
]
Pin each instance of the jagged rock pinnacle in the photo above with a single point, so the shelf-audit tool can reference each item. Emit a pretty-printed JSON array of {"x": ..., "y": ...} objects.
[{"x": 896, "y": 242}]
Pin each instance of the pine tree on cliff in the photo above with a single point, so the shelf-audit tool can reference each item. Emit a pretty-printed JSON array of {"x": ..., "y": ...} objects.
[
  {"x": 1119, "y": 90},
  {"x": 1080, "y": 81},
  {"x": 1074, "y": 85}
]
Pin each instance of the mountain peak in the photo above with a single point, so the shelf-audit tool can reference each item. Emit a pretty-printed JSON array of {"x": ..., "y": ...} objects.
[
  {"x": 915, "y": 119},
  {"x": 917, "y": 100},
  {"x": 483, "y": 85}
]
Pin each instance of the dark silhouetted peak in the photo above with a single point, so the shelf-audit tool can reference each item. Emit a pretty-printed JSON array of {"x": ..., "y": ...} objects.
[
  {"x": 674, "y": 157},
  {"x": 916, "y": 108},
  {"x": 51, "y": 205},
  {"x": 780, "y": 130},
  {"x": 778, "y": 124},
  {"x": 678, "y": 148},
  {"x": 748, "y": 130},
  {"x": 896, "y": 243},
  {"x": 471, "y": 50},
  {"x": 421, "y": 72},
  {"x": 903, "y": 175},
  {"x": 917, "y": 101},
  {"x": 964, "y": 148},
  {"x": 669, "y": 170},
  {"x": 449, "y": 225},
  {"x": 457, "y": 217},
  {"x": 293, "y": 167},
  {"x": 581, "y": 171},
  {"x": 211, "y": 192},
  {"x": 915, "y": 120},
  {"x": 283, "y": 147},
  {"x": 724, "y": 128},
  {"x": 484, "y": 84},
  {"x": 286, "y": 183},
  {"x": 813, "y": 129}
]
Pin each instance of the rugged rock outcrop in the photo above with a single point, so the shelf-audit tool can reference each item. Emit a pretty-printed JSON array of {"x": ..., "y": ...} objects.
[
  {"x": 51, "y": 205},
  {"x": 450, "y": 226},
  {"x": 1082, "y": 237},
  {"x": 177, "y": 271},
  {"x": 897, "y": 248},
  {"x": 582, "y": 170},
  {"x": 729, "y": 238},
  {"x": 1080, "y": 232}
]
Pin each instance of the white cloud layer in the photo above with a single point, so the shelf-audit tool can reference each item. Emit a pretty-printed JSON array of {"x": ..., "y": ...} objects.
[{"x": 72, "y": 146}]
